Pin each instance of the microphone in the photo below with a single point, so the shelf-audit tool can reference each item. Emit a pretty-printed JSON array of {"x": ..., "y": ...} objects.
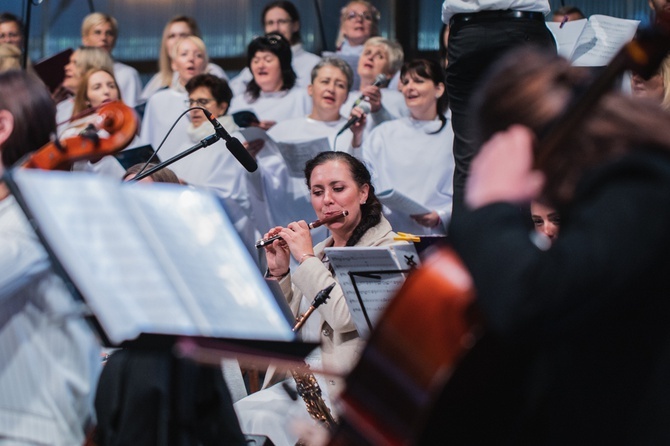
[
  {"x": 366, "y": 109},
  {"x": 380, "y": 80},
  {"x": 234, "y": 145}
]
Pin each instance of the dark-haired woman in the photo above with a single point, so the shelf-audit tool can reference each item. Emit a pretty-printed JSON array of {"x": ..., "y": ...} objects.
[
  {"x": 272, "y": 94},
  {"x": 282, "y": 17},
  {"x": 413, "y": 155},
  {"x": 337, "y": 181}
]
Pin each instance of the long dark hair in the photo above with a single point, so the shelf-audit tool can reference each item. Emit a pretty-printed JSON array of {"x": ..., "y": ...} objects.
[
  {"x": 291, "y": 10},
  {"x": 532, "y": 88},
  {"x": 431, "y": 70},
  {"x": 279, "y": 46},
  {"x": 34, "y": 112},
  {"x": 371, "y": 210}
]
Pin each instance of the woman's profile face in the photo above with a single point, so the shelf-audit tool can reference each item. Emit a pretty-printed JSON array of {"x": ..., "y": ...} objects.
[
  {"x": 266, "y": 69},
  {"x": 651, "y": 88},
  {"x": 176, "y": 31},
  {"x": 333, "y": 189},
  {"x": 73, "y": 73},
  {"x": 101, "y": 88},
  {"x": 189, "y": 61}
]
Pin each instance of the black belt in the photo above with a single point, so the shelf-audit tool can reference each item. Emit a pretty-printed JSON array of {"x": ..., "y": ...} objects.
[{"x": 481, "y": 16}]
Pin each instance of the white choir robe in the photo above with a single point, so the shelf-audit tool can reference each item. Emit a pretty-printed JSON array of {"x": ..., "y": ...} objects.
[
  {"x": 162, "y": 110},
  {"x": 393, "y": 107},
  {"x": 275, "y": 106},
  {"x": 405, "y": 156},
  {"x": 130, "y": 85},
  {"x": 282, "y": 197},
  {"x": 63, "y": 114},
  {"x": 214, "y": 168},
  {"x": 302, "y": 63}
]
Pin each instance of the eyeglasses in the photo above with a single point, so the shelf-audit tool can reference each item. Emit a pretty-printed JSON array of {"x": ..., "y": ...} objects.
[
  {"x": 280, "y": 22},
  {"x": 201, "y": 102},
  {"x": 352, "y": 15}
]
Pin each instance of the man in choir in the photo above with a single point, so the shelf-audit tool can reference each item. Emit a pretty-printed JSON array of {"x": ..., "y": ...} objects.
[
  {"x": 102, "y": 30},
  {"x": 480, "y": 32},
  {"x": 11, "y": 30},
  {"x": 49, "y": 357}
]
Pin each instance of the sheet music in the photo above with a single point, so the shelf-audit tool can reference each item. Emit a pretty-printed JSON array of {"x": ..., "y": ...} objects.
[
  {"x": 597, "y": 42},
  {"x": 377, "y": 290},
  {"x": 151, "y": 258},
  {"x": 253, "y": 133},
  {"x": 296, "y": 154},
  {"x": 400, "y": 202}
]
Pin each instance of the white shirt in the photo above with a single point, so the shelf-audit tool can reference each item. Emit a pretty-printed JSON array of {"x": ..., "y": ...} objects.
[
  {"x": 275, "y": 106},
  {"x": 405, "y": 156},
  {"x": 50, "y": 361},
  {"x": 301, "y": 61},
  {"x": 451, "y": 7},
  {"x": 162, "y": 110},
  {"x": 129, "y": 83}
]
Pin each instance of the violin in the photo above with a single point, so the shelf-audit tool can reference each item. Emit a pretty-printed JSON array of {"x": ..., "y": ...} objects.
[{"x": 114, "y": 118}]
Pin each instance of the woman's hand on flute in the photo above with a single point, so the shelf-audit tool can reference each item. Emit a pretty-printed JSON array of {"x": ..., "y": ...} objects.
[
  {"x": 277, "y": 254},
  {"x": 298, "y": 239}
]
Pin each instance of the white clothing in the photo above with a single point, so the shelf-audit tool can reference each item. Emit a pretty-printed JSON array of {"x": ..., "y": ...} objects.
[
  {"x": 285, "y": 198},
  {"x": 393, "y": 107},
  {"x": 348, "y": 50},
  {"x": 405, "y": 156},
  {"x": 129, "y": 83},
  {"x": 63, "y": 114},
  {"x": 162, "y": 110},
  {"x": 301, "y": 61},
  {"x": 451, "y": 7},
  {"x": 216, "y": 169},
  {"x": 49, "y": 357},
  {"x": 154, "y": 83},
  {"x": 275, "y": 106}
]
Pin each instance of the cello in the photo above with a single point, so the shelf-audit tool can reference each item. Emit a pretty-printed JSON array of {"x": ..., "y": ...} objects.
[{"x": 432, "y": 329}]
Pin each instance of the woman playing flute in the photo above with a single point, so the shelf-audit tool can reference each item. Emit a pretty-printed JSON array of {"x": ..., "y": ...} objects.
[{"x": 337, "y": 182}]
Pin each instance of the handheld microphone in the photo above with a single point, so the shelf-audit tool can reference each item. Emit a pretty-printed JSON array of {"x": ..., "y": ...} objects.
[
  {"x": 363, "y": 106},
  {"x": 234, "y": 145},
  {"x": 380, "y": 80}
]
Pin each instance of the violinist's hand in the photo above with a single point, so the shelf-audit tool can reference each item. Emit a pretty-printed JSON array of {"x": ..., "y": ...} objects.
[
  {"x": 253, "y": 147},
  {"x": 277, "y": 254},
  {"x": 299, "y": 240},
  {"x": 358, "y": 127},
  {"x": 373, "y": 95},
  {"x": 429, "y": 220},
  {"x": 503, "y": 170}
]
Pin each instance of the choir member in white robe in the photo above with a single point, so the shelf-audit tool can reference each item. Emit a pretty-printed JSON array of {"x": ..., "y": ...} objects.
[
  {"x": 189, "y": 58},
  {"x": 380, "y": 57},
  {"x": 413, "y": 155},
  {"x": 81, "y": 61},
  {"x": 282, "y": 17},
  {"x": 101, "y": 30},
  {"x": 175, "y": 29},
  {"x": 286, "y": 197}
]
